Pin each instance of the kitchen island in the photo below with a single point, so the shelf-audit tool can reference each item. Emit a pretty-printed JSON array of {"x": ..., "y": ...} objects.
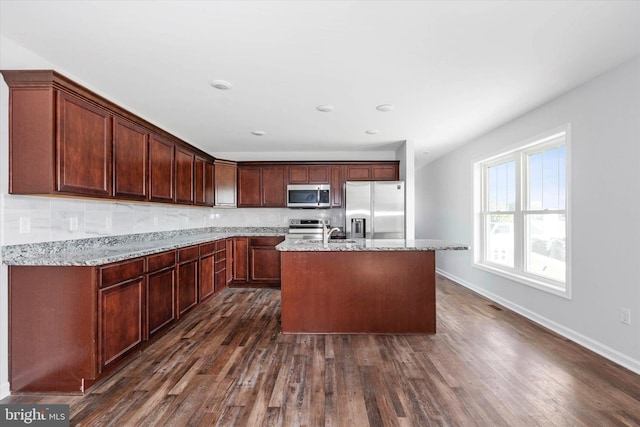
[{"x": 360, "y": 286}]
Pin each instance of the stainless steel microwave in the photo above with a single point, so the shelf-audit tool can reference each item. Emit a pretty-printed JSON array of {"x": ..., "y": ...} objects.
[{"x": 308, "y": 196}]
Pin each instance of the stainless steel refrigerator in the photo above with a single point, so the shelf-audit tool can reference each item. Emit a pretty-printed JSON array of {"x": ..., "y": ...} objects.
[{"x": 375, "y": 209}]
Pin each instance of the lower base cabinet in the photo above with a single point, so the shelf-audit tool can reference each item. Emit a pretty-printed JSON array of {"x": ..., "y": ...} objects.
[
  {"x": 72, "y": 326},
  {"x": 256, "y": 262},
  {"x": 121, "y": 310},
  {"x": 161, "y": 292},
  {"x": 187, "y": 279}
]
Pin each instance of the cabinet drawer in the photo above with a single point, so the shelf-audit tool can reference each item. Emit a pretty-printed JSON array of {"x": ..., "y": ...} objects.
[
  {"x": 220, "y": 244},
  {"x": 120, "y": 272},
  {"x": 220, "y": 265},
  {"x": 160, "y": 261},
  {"x": 207, "y": 248},
  {"x": 187, "y": 254},
  {"x": 265, "y": 241},
  {"x": 221, "y": 255}
]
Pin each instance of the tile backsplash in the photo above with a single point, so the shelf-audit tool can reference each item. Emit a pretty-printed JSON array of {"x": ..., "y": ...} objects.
[{"x": 32, "y": 219}]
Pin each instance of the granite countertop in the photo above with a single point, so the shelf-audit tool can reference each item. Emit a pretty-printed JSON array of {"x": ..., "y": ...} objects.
[
  {"x": 354, "y": 245},
  {"x": 105, "y": 250}
]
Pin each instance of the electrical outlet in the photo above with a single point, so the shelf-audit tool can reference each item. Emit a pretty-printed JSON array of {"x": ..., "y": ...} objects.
[
  {"x": 25, "y": 225},
  {"x": 625, "y": 316},
  {"x": 73, "y": 223}
]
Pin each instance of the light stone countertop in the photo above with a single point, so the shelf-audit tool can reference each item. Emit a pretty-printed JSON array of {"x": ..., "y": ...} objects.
[
  {"x": 354, "y": 245},
  {"x": 105, "y": 250}
]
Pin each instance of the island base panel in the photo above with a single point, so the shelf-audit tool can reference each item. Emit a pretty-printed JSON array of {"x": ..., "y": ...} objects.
[{"x": 358, "y": 292}]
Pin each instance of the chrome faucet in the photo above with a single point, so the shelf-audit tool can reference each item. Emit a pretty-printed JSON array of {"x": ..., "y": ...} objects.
[{"x": 326, "y": 233}]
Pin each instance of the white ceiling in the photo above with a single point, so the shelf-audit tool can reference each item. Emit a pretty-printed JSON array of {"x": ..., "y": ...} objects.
[{"x": 453, "y": 69}]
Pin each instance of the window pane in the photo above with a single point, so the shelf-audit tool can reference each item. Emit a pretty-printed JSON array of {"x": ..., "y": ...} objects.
[
  {"x": 500, "y": 239},
  {"x": 502, "y": 187},
  {"x": 535, "y": 181},
  {"x": 546, "y": 245},
  {"x": 547, "y": 179}
]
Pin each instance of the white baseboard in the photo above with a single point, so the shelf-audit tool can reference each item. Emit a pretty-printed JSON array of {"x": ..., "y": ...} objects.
[
  {"x": 5, "y": 390},
  {"x": 595, "y": 346}
]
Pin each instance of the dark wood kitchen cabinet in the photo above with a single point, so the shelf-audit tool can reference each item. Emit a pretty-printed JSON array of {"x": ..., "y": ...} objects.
[
  {"x": 185, "y": 160},
  {"x": 274, "y": 186},
  {"x": 302, "y": 174},
  {"x": 84, "y": 148},
  {"x": 109, "y": 311},
  {"x": 161, "y": 291},
  {"x": 264, "y": 260},
  {"x": 130, "y": 159},
  {"x": 249, "y": 186},
  {"x": 120, "y": 310},
  {"x": 187, "y": 279},
  {"x": 337, "y": 186},
  {"x": 262, "y": 186},
  {"x": 161, "y": 169},
  {"x": 203, "y": 182},
  {"x": 240, "y": 256},
  {"x": 220, "y": 266},
  {"x": 372, "y": 171},
  {"x": 65, "y": 139},
  {"x": 226, "y": 183},
  {"x": 207, "y": 282},
  {"x": 59, "y": 143}
]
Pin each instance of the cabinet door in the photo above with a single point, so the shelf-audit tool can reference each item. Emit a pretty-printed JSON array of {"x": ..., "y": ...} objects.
[
  {"x": 203, "y": 182},
  {"x": 129, "y": 160},
  {"x": 298, "y": 174},
  {"x": 161, "y": 300},
  {"x": 337, "y": 186},
  {"x": 240, "y": 259},
  {"x": 84, "y": 148},
  {"x": 249, "y": 187},
  {"x": 264, "y": 259},
  {"x": 384, "y": 172},
  {"x": 226, "y": 183},
  {"x": 120, "y": 320},
  {"x": 184, "y": 175},
  {"x": 228, "y": 262},
  {"x": 265, "y": 264},
  {"x": 207, "y": 276},
  {"x": 161, "y": 170},
  {"x": 209, "y": 184},
  {"x": 358, "y": 172},
  {"x": 187, "y": 286},
  {"x": 318, "y": 174},
  {"x": 274, "y": 186}
]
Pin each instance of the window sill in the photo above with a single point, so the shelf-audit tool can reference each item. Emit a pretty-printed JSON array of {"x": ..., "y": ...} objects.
[{"x": 564, "y": 292}]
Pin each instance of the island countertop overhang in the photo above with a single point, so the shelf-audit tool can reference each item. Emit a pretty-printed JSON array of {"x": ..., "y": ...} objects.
[{"x": 355, "y": 245}]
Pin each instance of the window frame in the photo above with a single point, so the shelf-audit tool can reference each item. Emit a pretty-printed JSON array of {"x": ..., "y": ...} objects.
[{"x": 520, "y": 152}]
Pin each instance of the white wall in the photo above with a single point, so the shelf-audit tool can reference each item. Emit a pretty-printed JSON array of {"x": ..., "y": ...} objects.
[{"x": 604, "y": 218}]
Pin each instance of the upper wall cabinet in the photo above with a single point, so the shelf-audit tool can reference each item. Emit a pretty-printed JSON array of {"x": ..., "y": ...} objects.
[
  {"x": 226, "y": 183},
  {"x": 83, "y": 138},
  {"x": 65, "y": 139},
  {"x": 301, "y": 174},
  {"x": 185, "y": 160},
  {"x": 130, "y": 158},
  {"x": 161, "y": 170}
]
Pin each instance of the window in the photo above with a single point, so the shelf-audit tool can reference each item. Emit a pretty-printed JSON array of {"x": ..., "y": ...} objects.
[{"x": 521, "y": 212}]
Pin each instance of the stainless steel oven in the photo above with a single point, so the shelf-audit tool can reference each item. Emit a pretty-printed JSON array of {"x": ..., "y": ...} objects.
[{"x": 306, "y": 228}]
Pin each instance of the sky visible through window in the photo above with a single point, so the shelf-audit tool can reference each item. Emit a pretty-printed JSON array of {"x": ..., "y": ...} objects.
[{"x": 547, "y": 180}]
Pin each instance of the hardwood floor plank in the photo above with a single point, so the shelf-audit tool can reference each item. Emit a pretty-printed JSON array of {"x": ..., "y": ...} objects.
[{"x": 228, "y": 364}]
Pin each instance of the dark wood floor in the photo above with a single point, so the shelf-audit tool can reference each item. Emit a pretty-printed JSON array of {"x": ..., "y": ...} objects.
[{"x": 228, "y": 364}]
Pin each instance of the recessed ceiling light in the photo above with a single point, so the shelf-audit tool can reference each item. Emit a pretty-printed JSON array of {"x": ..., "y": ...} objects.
[
  {"x": 372, "y": 131},
  {"x": 258, "y": 132},
  {"x": 385, "y": 107},
  {"x": 221, "y": 84},
  {"x": 325, "y": 108}
]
